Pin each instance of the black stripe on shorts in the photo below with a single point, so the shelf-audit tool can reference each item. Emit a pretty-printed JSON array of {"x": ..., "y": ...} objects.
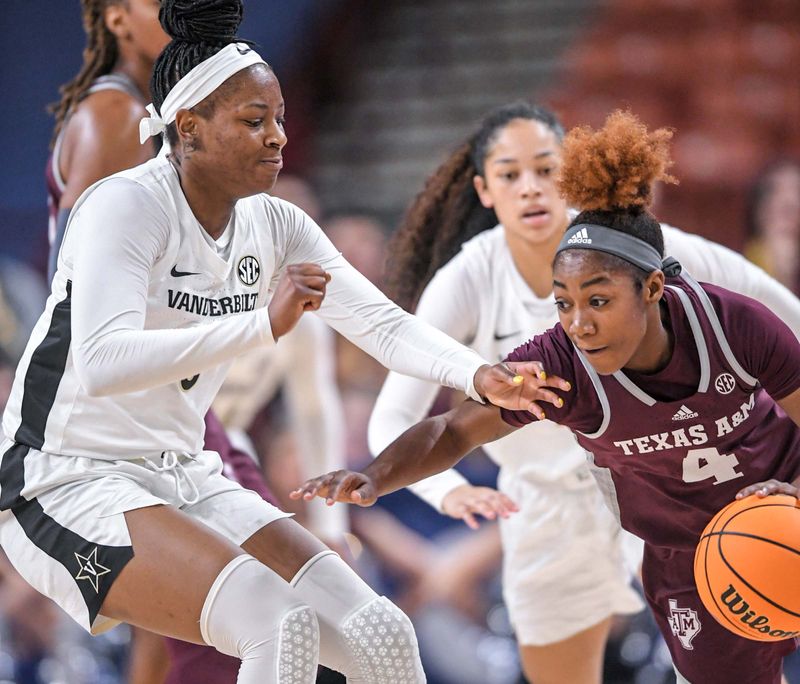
[{"x": 93, "y": 566}]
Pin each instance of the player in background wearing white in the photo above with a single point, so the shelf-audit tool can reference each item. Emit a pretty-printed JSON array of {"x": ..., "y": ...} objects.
[
  {"x": 168, "y": 271},
  {"x": 474, "y": 256}
]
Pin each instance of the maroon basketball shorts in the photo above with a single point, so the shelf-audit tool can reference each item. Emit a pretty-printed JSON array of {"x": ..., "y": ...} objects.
[{"x": 703, "y": 651}]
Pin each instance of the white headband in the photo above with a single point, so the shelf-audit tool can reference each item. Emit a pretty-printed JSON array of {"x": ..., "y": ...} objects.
[{"x": 197, "y": 85}]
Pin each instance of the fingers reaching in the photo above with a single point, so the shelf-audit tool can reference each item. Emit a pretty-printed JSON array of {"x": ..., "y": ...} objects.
[
  {"x": 466, "y": 502},
  {"x": 344, "y": 486}
]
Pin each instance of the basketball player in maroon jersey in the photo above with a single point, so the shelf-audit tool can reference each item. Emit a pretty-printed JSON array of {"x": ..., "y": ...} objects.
[
  {"x": 96, "y": 135},
  {"x": 687, "y": 395}
]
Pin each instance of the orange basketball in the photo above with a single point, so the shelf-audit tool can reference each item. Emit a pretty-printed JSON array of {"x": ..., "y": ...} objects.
[{"x": 747, "y": 566}]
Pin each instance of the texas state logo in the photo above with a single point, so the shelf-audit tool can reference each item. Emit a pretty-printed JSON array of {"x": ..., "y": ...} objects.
[{"x": 684, "y": 623}]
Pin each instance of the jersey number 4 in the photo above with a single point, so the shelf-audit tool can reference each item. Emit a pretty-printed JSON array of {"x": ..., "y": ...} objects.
[{"x": 701, "y": 464}]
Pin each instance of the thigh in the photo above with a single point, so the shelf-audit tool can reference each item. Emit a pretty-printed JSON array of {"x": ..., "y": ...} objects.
[
  {"x": 702, "y": 649},
  {"x": 226, "y": 506},
  {"x": 164, "y": 586},
  {"x": 285, "y": 546}
]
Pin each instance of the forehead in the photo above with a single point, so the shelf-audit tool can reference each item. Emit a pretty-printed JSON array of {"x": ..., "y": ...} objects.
[
  {"x": 523, "y": 139},
  {"x": 573, "y": 265},
  {"x": 256, "y": 83}
]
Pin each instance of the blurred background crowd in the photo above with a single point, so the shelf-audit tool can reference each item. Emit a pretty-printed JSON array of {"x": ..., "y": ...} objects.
[{"x": 377, "y": 94}]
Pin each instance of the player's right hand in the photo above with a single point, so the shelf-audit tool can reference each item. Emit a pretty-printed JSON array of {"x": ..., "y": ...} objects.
[
  {"x": 466, "y": 501},
  {"x": 300, "y": 289},
  {"x": 345, "y": 486}
]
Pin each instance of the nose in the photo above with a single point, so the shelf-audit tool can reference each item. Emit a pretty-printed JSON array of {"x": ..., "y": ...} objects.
[
  {"x": 275, "y": 136},
  {"x": 531, "y": 187},
  {"x": 581, "y": 324}
]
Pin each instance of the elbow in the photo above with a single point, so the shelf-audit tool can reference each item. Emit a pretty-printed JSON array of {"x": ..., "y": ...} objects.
[
  {"x": 94, "y": 381},
  {"x": 95, "y": 387}
]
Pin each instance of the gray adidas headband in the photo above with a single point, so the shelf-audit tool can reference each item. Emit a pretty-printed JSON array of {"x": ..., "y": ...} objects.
[{"x": 627, "y": 247}]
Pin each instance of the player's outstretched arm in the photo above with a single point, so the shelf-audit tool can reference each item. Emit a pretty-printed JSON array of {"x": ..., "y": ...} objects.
[{"x": 427, "y": 448}]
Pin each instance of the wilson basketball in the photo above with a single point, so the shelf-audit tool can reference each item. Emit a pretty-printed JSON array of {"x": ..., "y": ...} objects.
[{"x": 746, "y": 567}]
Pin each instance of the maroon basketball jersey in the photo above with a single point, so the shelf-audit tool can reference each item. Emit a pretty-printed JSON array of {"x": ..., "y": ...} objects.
[
  {"x": 670, "y": 454},
  {"x": 55, "y": 183}
]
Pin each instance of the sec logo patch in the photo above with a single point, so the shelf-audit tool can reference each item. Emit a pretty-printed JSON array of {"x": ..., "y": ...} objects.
[
  {"x": 724, "y": 384},
  {"x": 248, "y": 270}
]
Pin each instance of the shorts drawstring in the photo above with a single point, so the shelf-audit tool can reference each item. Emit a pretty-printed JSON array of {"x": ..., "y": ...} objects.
[{"x": 170, "y": 462}]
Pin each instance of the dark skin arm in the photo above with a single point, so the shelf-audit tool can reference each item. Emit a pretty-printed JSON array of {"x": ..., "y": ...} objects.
[
  {"x": 791, "y": 405},
  {"x": 101, "y": 138},
  {"x": 425, "y": 449}
]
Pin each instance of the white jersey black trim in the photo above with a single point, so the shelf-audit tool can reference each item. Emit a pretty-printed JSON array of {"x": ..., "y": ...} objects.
[
  {"x": 41, "y": 384},
  {"x": 44, "y": 374}
]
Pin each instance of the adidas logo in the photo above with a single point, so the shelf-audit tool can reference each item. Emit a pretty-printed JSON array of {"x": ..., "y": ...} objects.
[
  {"x": 580, "y": 238},
  {"x": 684, "y": 413}
]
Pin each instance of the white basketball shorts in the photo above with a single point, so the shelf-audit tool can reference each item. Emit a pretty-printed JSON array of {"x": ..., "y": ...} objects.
[
  {"x": 62, "y": 522},
  {"x": 564, "y": 568}
]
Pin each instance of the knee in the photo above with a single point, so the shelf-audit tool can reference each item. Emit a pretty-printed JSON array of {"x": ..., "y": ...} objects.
[
  {"x": 382, "y": 644},
  {"x": 252, "y": 614},
  {"x": 364, "y": 636}
]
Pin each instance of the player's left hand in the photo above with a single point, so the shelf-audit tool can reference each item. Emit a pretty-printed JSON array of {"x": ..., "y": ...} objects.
[
  {"x": 344, "y": 486},
  {"x": 762, "y": 489},
  {"x": 518, "y": 386}
]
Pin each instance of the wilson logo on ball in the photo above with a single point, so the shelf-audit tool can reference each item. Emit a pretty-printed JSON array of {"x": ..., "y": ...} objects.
[{"x": 740, "y": 608}]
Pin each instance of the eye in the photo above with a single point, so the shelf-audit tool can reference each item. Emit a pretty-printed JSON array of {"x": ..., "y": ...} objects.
[
  {"x": 561, "y": 305},
  {"x": 253, "y": 123},
  {"x": 547, "y": 171},
  {"x": 281, "y": 121},
  {"x": 509, "y": 175},
  {"x": 597, "y": 302}
]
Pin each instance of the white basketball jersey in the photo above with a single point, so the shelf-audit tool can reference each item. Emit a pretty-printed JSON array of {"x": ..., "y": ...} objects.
[
  {"x": 130, "y": 366},
  {"x": 193, "y": 282}
]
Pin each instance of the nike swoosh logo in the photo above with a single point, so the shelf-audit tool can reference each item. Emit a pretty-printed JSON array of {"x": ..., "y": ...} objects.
[
  {"x": 188, "y": 383},
  {"x": 499, "y": 337},
  {"x": 175, "y": 273}
]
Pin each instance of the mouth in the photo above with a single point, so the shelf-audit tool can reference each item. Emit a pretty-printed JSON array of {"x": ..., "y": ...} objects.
[
  {"x": 593, "y": 351},
  {"x": 276, "y": 161},
  {"x": 535, "y": 216}
]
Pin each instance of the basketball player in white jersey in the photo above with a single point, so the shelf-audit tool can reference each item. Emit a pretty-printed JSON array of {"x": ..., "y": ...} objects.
[
  {"x": 167, "y": 271},
  {"x": 96, "y": 135},
  {"x": 501, "y": 220}
]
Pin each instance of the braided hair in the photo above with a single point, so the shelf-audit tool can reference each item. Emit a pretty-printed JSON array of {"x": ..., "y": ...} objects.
[
  {"x": 199, "y": 29},
  {"x": 99, "y": 57},
  {"x": 448, "y": 211}
]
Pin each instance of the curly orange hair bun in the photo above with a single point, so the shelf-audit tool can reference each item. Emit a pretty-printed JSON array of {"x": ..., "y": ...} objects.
[{"x": 614, "y": 168}]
